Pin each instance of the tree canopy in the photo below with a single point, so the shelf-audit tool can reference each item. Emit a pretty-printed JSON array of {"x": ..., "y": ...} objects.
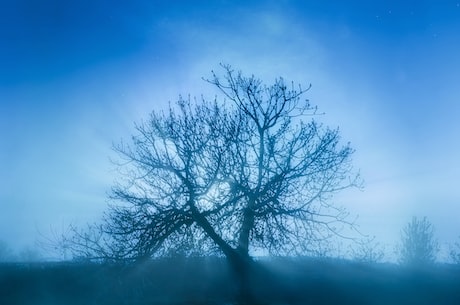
[{"x": 251, "y": 170}]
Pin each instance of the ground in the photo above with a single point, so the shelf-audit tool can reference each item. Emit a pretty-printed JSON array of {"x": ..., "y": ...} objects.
[{"x": 209, "y": 281}]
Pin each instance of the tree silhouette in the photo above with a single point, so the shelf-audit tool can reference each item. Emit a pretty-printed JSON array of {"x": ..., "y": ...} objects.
[
  {"x": 418, "y": 245},
  {"x": 6, "y": 254},
  {"x": 244, "y": 174},
  {"x": 367, "y": 250},
  {"x": 455, "y": 253}
]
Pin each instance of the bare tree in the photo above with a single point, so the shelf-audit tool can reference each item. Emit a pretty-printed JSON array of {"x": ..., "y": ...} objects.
[
  {"x": 418, "y": 244},
  {"x": 248, "y": 173},
  {"x": 6, "y": 254},
  {"x": 455, "y": 253},
  {"x": 367, "y": 250}
]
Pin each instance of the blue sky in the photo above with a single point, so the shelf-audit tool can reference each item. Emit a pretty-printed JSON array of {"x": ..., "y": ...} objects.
[{"x": 74, "y": 77}]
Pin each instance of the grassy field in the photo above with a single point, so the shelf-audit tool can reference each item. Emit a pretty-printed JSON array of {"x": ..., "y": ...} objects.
[{"x": 209, "y": 281}]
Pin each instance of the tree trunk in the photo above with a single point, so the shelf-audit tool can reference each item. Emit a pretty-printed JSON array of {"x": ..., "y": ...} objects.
[
  {"x": 243, "y": 240},
  {"x": 242, "y": 266},
  {"x": 239, "y": 260},
  {"x": 246, "y": 227}
]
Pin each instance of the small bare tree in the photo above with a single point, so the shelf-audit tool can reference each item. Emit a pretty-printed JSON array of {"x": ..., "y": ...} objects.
[
  {"x": 455, "y": 253},
  {"x": 6, "y": 254},
  {"x": 367, "y": 250},
  {"x": 418, "y": 244}
]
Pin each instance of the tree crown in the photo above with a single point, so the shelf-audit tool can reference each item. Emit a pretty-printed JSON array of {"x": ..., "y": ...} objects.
[{"x": 250, "y": 172}]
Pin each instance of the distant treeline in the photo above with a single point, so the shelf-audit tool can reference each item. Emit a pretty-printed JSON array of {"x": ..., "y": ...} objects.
[{"x": 209, "y": 281}]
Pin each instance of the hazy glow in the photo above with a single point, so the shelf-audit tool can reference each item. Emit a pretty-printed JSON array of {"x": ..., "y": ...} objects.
[{"x": 74, "y": 78}]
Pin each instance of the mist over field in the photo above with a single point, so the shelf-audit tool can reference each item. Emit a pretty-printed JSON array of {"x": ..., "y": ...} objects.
[{"x": 208, "y": 281}]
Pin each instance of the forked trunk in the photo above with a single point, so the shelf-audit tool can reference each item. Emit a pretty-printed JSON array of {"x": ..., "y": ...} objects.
[
  {"x": 239, "y": 260},
  {"x": 241, "y": 267}
]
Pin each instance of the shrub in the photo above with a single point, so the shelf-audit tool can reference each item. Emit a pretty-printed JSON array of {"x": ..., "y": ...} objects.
[
  {"x": 455, "y": 253},
  {"x": 418, "y": 244},
  {"x": 367, "y": 251}
]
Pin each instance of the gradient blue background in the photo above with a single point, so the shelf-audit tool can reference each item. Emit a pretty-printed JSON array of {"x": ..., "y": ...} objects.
[{"x": 75, "y": 76}]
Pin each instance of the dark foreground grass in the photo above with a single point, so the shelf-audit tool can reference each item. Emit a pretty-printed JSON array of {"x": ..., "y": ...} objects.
[{"x": 209, "y": 281}]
